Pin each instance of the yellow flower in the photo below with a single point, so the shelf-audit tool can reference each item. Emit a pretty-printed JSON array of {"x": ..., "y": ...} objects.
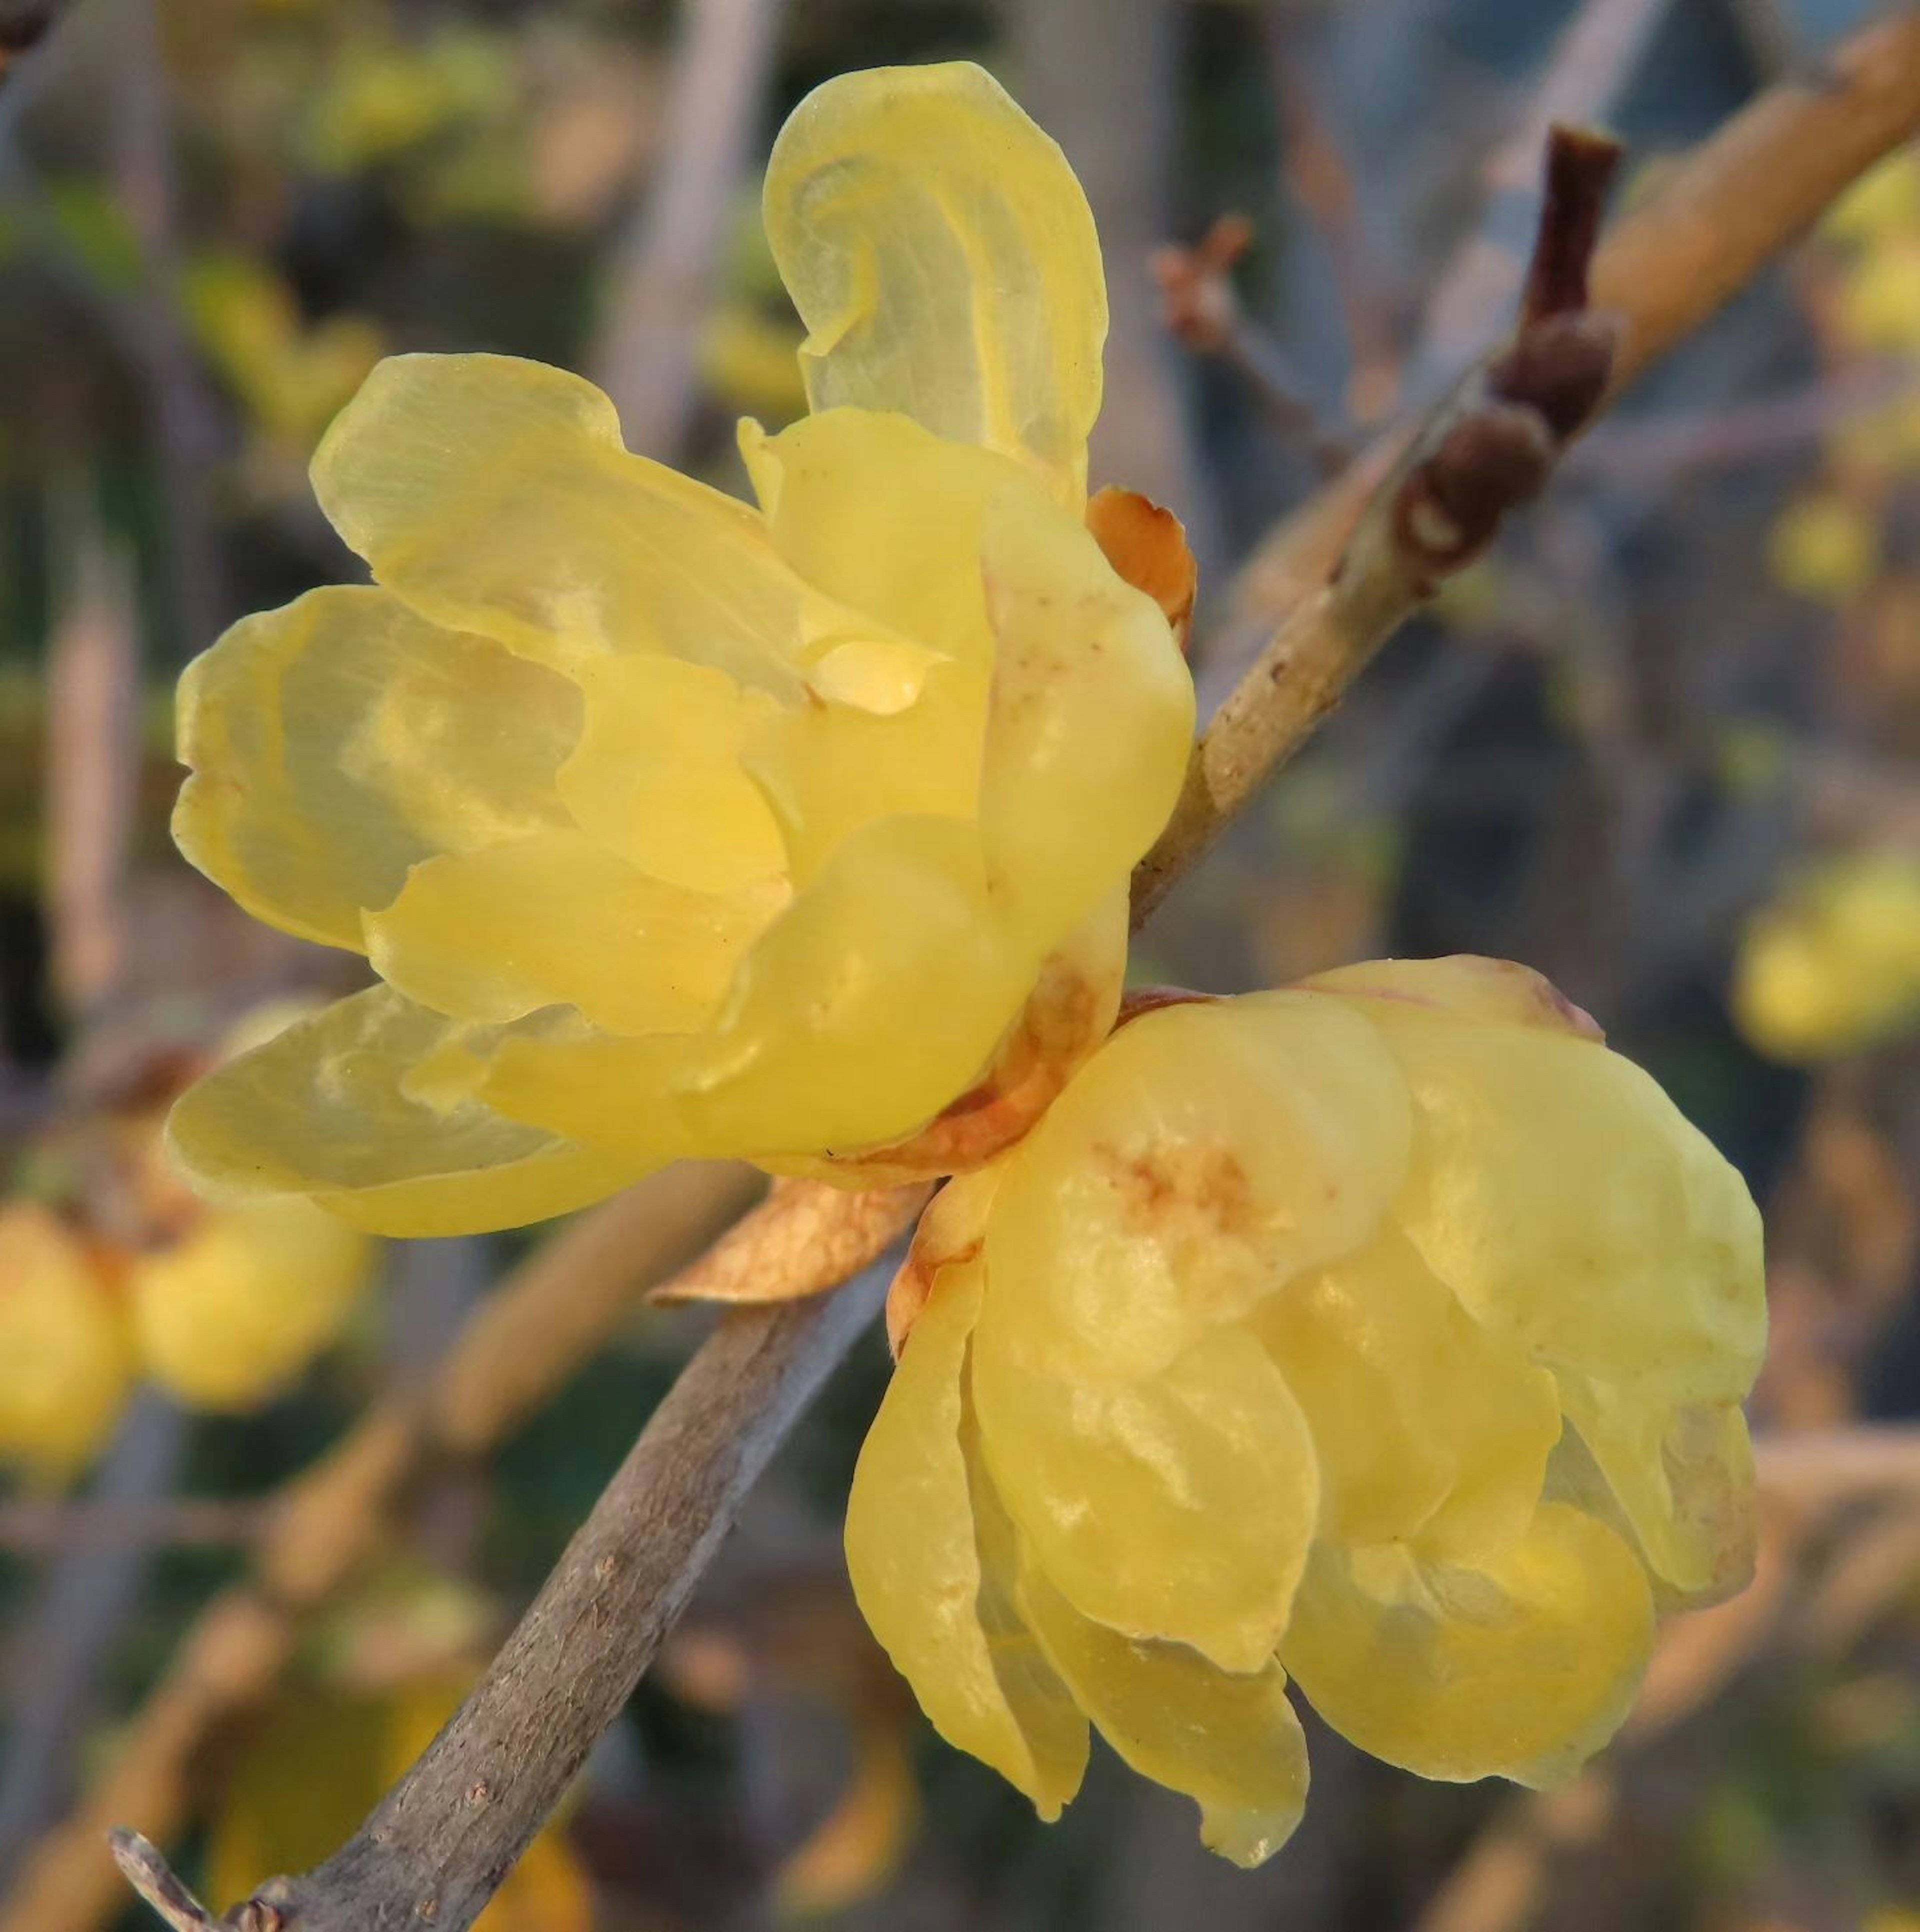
[
  {"x": 1833, "y": 965},
  {"x": 1388, "y": 1333},
  {"x": 1825, "y": 547},
  {"x": 1882, "y": 206},
  {"x": 1879, "y": 306},
  {"x": 230, "y": 1314},
  {"x": 678, "y": 828},
  {"x": 66, "y": 1369}
]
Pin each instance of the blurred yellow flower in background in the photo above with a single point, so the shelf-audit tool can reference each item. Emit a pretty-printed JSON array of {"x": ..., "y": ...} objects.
[
  {"x": 1833, "y": 965},
  {"x": 675, "y": 827},
  {"x": 112, "y": 1271},
  {"x": 1388, "y": 1333}
]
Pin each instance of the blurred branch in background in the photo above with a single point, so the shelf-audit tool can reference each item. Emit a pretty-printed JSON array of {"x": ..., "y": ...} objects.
[
  {"x": 525, "y": 1340},
  {"x": 1411, "y": 511},
  {"x": 665, "y": 268}
]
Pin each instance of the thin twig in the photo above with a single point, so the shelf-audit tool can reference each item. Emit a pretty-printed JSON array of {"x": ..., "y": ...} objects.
[
  {"x": 180, "y": 1522},
  {"x": 436, "y": 1843},
  {"x": 530, "y": 1335}
]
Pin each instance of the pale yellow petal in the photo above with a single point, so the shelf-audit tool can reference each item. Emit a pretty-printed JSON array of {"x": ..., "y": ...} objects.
[
  {"x": 943, "y": 259},
  {"x": 878, "y": 996},
  {"x": 339, "y": 740},
  {"x": 1231, "y": 1743},
  {"x": 1466, "y": 983},
  {"x": 1179, "y": 1507},
  {"x": 555, "y": 918},
  {"x": 1563, "y": 1197},
  {"x": 924, "y": 1581},
  {"x": 1521, "y": 1667},
  {"x": 656, "y": 777},
  {"x": 1091, "y": 722},
  {"x": 1424, "y": 1421},
  {"x": 494, "y": 496},
  {"x": 236, "y": 1310},
  {"x": 1206, "y": 1155},
  {"x": 327, "y": 1108},
  {"x": 1683, "y": 1480}
]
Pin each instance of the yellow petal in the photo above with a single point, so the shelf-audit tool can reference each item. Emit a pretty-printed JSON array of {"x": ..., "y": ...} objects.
[
  {"x": 494, "y": 496},
  {"x": 556, "y": 919},
  {"x": 1563, "y": 1197},
  {"x": 327, "y": 1108},
  {"x": 240, "y": 1306},
  {"x": 877, "y": 513},
  {"x": 656, "y": 776},
  {"x": 339, "y": 740},
  {"x": 1205, "y": 1156},
  {"x": 1232, "y": 1743},
  {"x": 943, "y": 259},
  {"x": 1423, "y": 1421},
  {"x": 934, "y": 1595},
  {"x": 1521, "y": 1667},
  {"x": 877, "y": 996},
  {"x": 1465, "y": 983},
  {"x": 66, "y": 1361},
  {"x": 1066, "y": 808},
  {"x": 1683, "y": 1479},
  {"x": 1178, "y": 1506}
]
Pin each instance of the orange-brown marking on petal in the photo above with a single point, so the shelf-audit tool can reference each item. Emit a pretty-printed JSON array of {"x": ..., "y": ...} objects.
[{"x": 1147, "y": 547}]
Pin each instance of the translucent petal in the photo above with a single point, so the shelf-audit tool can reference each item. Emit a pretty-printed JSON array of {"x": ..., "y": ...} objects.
[
  {"x": 555, "y": 918},
  {"x": 656, "y": 776},
  {"x": 1231, "y": 1743},
  {"x": 494, "y": 495},
  {"x": 1683, "y": 1479},
  {"x": 943, "y": 259},
  {"x": 877, "y": 513},
  {"x": 875, "y": 998},
  {"x": 327, "y": 1108},
  {"x": 339, "y": 740},
  {"x": 1178, "y": 1506},
  {"x": 923, "y": 1582},
  {"x": 1424, "y": 1421},
  {"x": 1065, "y": 809},
  {"x": 1466, "y": 983},
  {"x": 1521, "y": 1667},
  {"x": 241, "y": 1305},
  {"x": 1562, "y": 1196},
  {"x": 1206, "y": 1155}
]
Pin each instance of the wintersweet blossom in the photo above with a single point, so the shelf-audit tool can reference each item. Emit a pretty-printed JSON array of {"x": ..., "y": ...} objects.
[
  {"x": 1387, "y": 1334},
  {"x": 1832, "y": 966},
  {"x": 677, "y": 827}
]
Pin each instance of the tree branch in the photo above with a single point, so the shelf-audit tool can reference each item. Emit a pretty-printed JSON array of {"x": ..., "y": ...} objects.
[{"x": 1383, "y": 535}]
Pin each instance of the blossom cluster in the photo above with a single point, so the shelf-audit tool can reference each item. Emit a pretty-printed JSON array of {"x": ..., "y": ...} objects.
[{"x": 1387, "y": 1334}]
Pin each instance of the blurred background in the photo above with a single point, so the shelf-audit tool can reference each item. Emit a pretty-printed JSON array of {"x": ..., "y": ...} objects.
[{"x": 1660, "y": 744}]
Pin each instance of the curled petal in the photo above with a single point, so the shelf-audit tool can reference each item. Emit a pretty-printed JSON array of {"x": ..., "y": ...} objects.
[
  {"x": 1521, "y": 1666},
  {"x": 1466, "y": 984},
  {"x": 1563, "y": 1197},
  {"x": 943, "y": 259},
  {"x": 1177, "y": 1508},
  {"x": 1148, "y": 546},
  {"x": 1067, "y": 804},
  {"x": 342, "y": 740},
  {"x": 556, "y": 919},
  {"x": 494, "y": 496},
  {"x": 656, "y": 776},
  {"x": 936, "y": 1588},
  {"x": 1203, "y": 1157},
  {"x": 1682, "y": 1479},
  {"x": 1424, "y": 1422},
  {"x": 368, "y": 1107},
  {"x": 1231, "y": 1743},
  {"x": 874, "y": 998}
]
